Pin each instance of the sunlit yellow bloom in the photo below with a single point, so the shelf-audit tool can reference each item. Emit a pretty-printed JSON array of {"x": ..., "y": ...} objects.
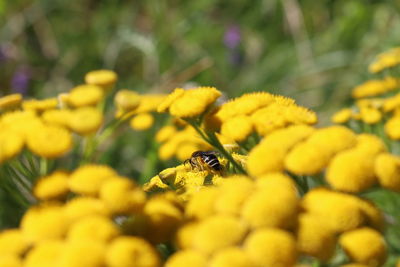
[
  {"x": 49, "y": 141},
  {"x": 88, "y": 179},
  {"x": 155, "y": 184},
  {"x": 80, "y": 207},
  {"x": 185, "y": 150},
  {"x": 11, "y": 144},
  {"x": 237, "y": 128},
  {"x": 184, "y": 258},
  {"x": 165, "y": 133},
  {"x": 201, "y": 205},
  {"x": 391, "y": 103},
  {"x": 131, "y": 251},
  {"x": 385, "y": 60},
  {"x": 166, "y": 104},
  {"x": 142, "y": 121},
  {"x": 315, "y": 238},
  {"x": 374, "y": 217},
  {"x": 10, "y": 260},
  {"x": 370, "y": 144},
  {"x": 44, "y": 222},
  {"x": 96, "y": 228},
  {"x": 231, "y": 257},
  {"x": 40, "y": 105},
  {"x": 13, "y": 241},
  {"x": 53, "y": 186},
  {"x": 85, "y": 95},
  {"x": 271, "y": 247},
  {"x": 122, "y": 196},
  {"x": 269, "y": 119},
  {"x": 85, "y": 121},
  {"x": 83, "y": 254},
  {"x": 10, "y": 101},
  {"x": 150, "y": 102},
  {"x": 103, "y": 78},
  {"x": 217, "y": 232},
  {"x": 375, "y": 87},
  {"x": 387, "y": 168},
  {"x": 59, "y": 117},
  {"x": 269, "y": 154},
  {"x": 342, "y": 116},
  {"x": 127, "y": 100},
  {"x": 364, "y": 245},
  {"x": 370, "y": 115},
  {"x": 184, "y": 236},
  {"x": 392, "y": 128},
  {"x": 45, "y": 254}
]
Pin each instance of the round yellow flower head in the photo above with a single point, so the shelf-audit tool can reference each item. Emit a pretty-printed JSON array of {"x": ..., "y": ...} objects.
[
  {"x": 185, "y": 150},
  {"x": 85, "y": 121},
  {"x": 49, "y": 141},
  {"x": 83, "y": 254},
  {"x": 122, "y": 196},
  {"x": 387, "y": 168},
  {"x": 373, "y": 216},
  {"x": 194, "y": 102},
  {"x": 10, "y": 101},
  {"x": 342, "y": 116},
  {"x": 142, "y": 121},
  {"x": 45, "y": 254},
  {"x": 370, "y": 144},
  {"x": 165, "y": 105},
  {"x": 80, "y": 207},
  {"x": 183, "y": 238},
  {"x": 392, "y": 128},
  {"x": 370, "y": 115},
  {"x": 44, "y": 222},
  {"x": 385, "y": 60},
  {"x": 217, "y": 232},
  {"x": 315, "y": 238},
  {"x": 131, "y": 251},
  {"x": 88, "y": 179},
  {"x": 237, "y": 128},
  {"x": 60, "y": 117},
  {"x": 40, "y": 105},
  {"x": 150, "y": 102},
  {"x": 95, "y": 227},
  {"x": 13, "y": 241},
  {"x": 85, "y": 95},
  {"x": 165, "y": 133},
  {"x": 127, "y": 100},
  {"x": 375, "y": 87},
  {"x": 231, "y": 257},
  {"x": 271, "y": 247},
  {"x": 10, "y": 260},
  {"x": 53, "y": 186},
  {"x": 185, "y": 258},
  {"x": 364, "y": 245},
  {"x": 11, "y": 144},
  {"x": 103, "y": 78}
]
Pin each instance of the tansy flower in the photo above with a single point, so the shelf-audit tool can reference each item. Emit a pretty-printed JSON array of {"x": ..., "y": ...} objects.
[
  {"x": 85, "y": 95},
  {"x": 364, "y": 245},
  {"x": 85, "y": 121},
  {"x": 237, "y": 128},
  {"x": 53, "y": 186},
  {"x": 184, "y": 151},
  {"x": 103, "y": 78},
  {"x": 165, "y": 105},
  {"x": 271, "y": 247},
  {"x": 370, "y": 115},
  {"x": 385, "y": 60},
  {"x": 60, "y": 117},
  {"x": 231, "y": 257},
  {"x": 183, "y": 238},
  {"x": 127, "y": 100},
  {"x": 131, "y": 251},
  {"x": 13, "y": 241},
  {"x": 10, "y": 260},
  {"x": 142, "y": 121},
  {"x": 10, "y": 101},
  {"x": 80, "y": 207},
  {"x": 342, "y": 116},
  {"x": 387, "y": 169},
  {"x": 45, "y": 254},
  {"x": 185, "y": 258},
  {"x": 49, "y": 141},
  {"x": 370, "y": 144},
  {"x": 95, "y": 227},
  {"x": 149, "y": 102},
  {"x": 391, "y": 103},
  {"x": 392, "y": 128},
  {"x": 88, "y": 179},
  {"x": 165, "y": 133},
  {"x": 373, "y": 216},
  {"x": 83, "y": 254},
  {"x": 11, "y": 144},
  {"x": 40, "y": 105},
  {"x": 122, "y": 196},
  {"x": 201, "y": 205},
  {"x": 375, "y": 87}
]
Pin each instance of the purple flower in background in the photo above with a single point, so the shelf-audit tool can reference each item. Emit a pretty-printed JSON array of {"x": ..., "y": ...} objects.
[
  {"x": 20, "y": 80},
  {"x": 232, "y": 37}
]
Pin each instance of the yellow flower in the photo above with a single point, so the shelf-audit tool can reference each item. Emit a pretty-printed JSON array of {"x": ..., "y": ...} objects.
[
  {"x": 364, "y": 245},
  {"x": 373, "y": 216},
  {"x": 10, "y": 260},
  {"x": 385, "y": 60},
  {"x": 127, "y": 100},
  {"x": 342, "y": 116},
  {"x": 185, "y": 150},
  {"x": 231, "y": 257},
  {"x": 370, "y": 144},
  {"x": 370, "y": 115},
  {"x": 217, "y": 232},
  {"x": 122, "y": 196},
  {"x": 387, "y": 168},
  {"x": 315, "y": 238},
  {"x": 131, "y": 251},
  {"x": 150, "y": 103},
  {"x": 142, "y": 121},
  {"x": 166, "y": 104},
  {"x": 271, "y": 247},
  {"x": 10, "y": 101},
  {"x": 85, "y": 95},
  {"x": 53, "y": 186},
  {"x": 184, "y": 235},
  {"x": 58, "y": 117},
  {"x": 11, "y": 144},
  {"x": 391, "y": 103},
  {"x": 237, "y": 128},
  {"x": 83, "y": 254},
  {"x": 80, "y": 207},
  {"x": 375, "y": 87},
  {"x": 184, "y": 258},
  {"x": 95, "y": 227},
  {"x": 85, "y": 121},
  {"x": 392, "y": 128},
  {"x": 194, "y": 102},
  {"x": 49, "y": 141},
  {"x": 88, "y": 179},
  {"x": 44, "y": 222},
  {"x": 13, "y": 241},
  {"x": 165, "y": 133},
  {"x": 155, "y": 184},
  {"x": 45, "y": 254},
  {"x": 103, "y": 78},
  {"x": 40, "y": 105}
]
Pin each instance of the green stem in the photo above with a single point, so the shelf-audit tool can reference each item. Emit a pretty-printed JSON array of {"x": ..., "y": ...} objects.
[{"x": 43, "y": 166}]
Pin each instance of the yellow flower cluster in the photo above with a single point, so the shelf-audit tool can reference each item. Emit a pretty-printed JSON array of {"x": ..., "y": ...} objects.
[
  {"x": 376, "y": 87},
  {"x": 385, "y": 60}
]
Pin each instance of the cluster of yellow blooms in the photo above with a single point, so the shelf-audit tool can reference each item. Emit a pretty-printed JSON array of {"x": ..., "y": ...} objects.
[{"x": 385, "y": 60}]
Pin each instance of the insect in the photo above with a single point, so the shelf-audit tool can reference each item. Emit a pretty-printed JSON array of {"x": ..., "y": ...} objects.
[{"x": 202, "y": 160}]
